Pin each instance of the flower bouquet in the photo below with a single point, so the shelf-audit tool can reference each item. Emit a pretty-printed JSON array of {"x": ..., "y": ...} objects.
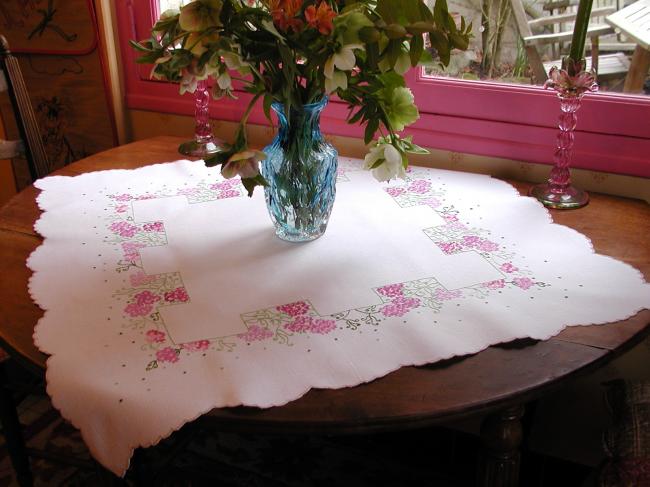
[{"x": 291, "y": 55}]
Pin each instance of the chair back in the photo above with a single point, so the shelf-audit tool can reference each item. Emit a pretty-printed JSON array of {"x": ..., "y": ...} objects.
[{"x": 24, "y": 112}]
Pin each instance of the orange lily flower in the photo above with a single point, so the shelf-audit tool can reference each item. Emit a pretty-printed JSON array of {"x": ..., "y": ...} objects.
[
  {"x": 284, "y": 14},
  {"x": 320, "y": 18}
]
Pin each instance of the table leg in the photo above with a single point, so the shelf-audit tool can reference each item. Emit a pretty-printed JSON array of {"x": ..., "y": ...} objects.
[
  {"x": 13, "y": 434},
  {"x": 501, "y": 434}
]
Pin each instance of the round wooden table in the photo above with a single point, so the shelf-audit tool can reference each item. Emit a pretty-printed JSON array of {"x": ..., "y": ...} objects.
[{"x": 499, "y": 379}]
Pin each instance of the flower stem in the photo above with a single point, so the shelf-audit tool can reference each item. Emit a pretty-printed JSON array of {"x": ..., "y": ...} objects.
[{"x": 580, "y": 30}]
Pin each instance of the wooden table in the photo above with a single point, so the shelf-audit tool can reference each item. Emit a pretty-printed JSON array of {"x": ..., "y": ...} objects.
[
  {"x": 498, "y": 380},
  {"x": 634, "y": 22}
]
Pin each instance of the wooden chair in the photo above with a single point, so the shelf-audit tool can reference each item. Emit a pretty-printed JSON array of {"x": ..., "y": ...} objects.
[
  {"x": 32, "y": 143},
  {"x": 605, "y": 65},
  {"x": 31, "y": 147}
]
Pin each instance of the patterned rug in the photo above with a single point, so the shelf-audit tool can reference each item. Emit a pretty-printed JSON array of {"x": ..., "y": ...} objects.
[
  {"x": 432, "y": 456},
  {"x": 228, "y": 459}
]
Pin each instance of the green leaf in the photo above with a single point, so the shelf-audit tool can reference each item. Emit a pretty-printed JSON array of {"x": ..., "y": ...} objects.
[
  {"x": 219, "y": 158},
  {"x": 152, "y": 365},
  {"x": 372, "y": 55},
  {"x": 395, "y": 31},
  {"x": 251, "y": 183},
  {"x": 387, "y": 9},
  {"x": 425, "y": 12},
  {"x": 357, "y": 116},
  {"x": 426, "y": 59},
  {"x": 138, "y": 47},
  {"x": 377, "y": 163},
  {"x": 268, "y": 101},
  {"x": 459, "y": 41},
  {"x": 270, "y": 28},
  {"x": 441, "y": 15},
  {"x": 391, "y": 80},
  {"x": 369, "y": 34},
  {"x": 399, "y": 108},
  {"x": 420, "y": 27},
  {"x": 393, "y": 51},
  {"x": 440, "y": 43},
  {"x": 417, "y": 48},
  {"x": 371, "y": 128}
]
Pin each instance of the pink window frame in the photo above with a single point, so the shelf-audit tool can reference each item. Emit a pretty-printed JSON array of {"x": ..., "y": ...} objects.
[{"x": 508, "y": 121}]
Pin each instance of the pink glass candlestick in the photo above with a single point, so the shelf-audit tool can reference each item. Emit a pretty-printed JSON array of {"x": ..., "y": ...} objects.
[
  {"x": 570, "y": 84},
  {"x": 204, "y": 143}
]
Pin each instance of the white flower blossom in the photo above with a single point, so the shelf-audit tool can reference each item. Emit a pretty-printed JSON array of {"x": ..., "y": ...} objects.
[
  {"x": 338, "y": 80},
  {"x": 391, "y": 162},
  {"x": 344, "y": 60},
  {"x": 225, "y": 81}
]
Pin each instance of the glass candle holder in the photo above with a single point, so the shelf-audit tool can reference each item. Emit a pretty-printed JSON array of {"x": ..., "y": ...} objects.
[
  {"x": 203, "y": 144},
  {"x": 570, "y": 83}
]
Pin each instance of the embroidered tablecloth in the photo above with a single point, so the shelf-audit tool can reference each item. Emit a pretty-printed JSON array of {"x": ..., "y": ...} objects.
[{"x": 167, "y": 294}]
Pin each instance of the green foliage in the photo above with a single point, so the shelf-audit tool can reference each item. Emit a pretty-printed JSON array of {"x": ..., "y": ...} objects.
[{"x": 297, "y": 51}]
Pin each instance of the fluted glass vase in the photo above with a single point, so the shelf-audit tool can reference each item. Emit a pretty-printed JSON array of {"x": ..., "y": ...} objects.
[{"x": 300, "y": 168}]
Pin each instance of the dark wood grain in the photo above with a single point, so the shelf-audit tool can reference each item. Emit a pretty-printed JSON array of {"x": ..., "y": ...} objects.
[{"x": 409, "y": 397}]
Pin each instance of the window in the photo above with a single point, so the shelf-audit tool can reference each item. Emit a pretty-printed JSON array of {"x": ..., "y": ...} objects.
[{"x": 480, "y": 117}]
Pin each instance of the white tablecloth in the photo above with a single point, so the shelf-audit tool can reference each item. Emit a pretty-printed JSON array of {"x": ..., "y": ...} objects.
[{"x": 167, "y": 293}]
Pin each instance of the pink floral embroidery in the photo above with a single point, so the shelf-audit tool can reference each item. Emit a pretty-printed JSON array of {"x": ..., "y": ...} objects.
[
  {"x": 498, "y": 284},
  {"x": 432, "y": 202},
  {"x": 146, "y": 197},
  {"x": 488, "y": 246},
  {"x": 138, "y": 309},
  {"x": 121, "y": 208},
  {"x": 392, "y": 290},
  {"x": 178, "y": 294},
  {"x": 508, "y": 267},
  {"x": 132, "y": 250},
  {"x": 449, "y": 247},
  {"x": 230, "y": 193},
  {"x": 300, "y": 324},
  {"x": 123, "y": 229},
  {"x": 224, "y": 185},
  {"x": 400, "y": 306},
  {"x": 444, "y": 295},
  {"x": 123, "y": 197},
  {"x": 294, "y": 309},
  {"x": 153, "y": 227},
  {"x": 197, "y": 346},
  {"x": 303, "y": 324},
  {"x": 255, "y": 333},
  {"x": 471, "y": 241},
  {"x": 146, "y": 297},
  {"x": 143, "y": 304},
  {"x": 523, "y": 282},
  {"x": 167, "y": 354},
  {"x": 155, "y": 336},
  {"x": 188, "y": 191},
  {"x": 322, "y": 327},
  {"x": 394, "y": 192},
  {"x": 140, "y": 279},
  {"x": 450, "y": 217},
  {"x": 419, "y": 186}
]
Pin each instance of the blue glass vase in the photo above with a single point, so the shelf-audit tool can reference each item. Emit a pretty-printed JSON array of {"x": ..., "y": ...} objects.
[{"x": 300, "y": 168}]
